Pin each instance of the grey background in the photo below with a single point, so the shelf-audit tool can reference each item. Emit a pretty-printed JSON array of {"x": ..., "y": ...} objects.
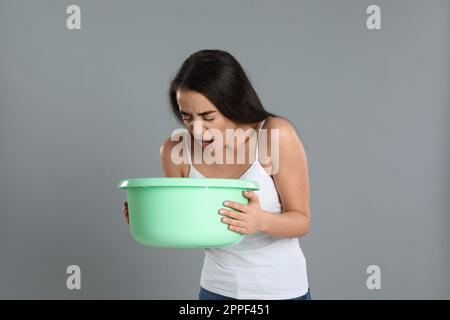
[{"x": 80, "y": 110}]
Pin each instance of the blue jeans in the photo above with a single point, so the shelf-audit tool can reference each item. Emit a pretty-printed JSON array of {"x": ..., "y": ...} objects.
[{"x": 208, "y": 295}]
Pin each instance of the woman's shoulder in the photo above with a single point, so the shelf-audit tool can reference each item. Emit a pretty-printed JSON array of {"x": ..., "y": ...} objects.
[
  {"x": 285, "y": 144},
  {"x": 174, "y": 167},
  {"x": 285, "y": 127}
]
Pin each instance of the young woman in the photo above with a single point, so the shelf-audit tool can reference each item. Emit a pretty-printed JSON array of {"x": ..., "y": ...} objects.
[{"x": 212, "y": 89}]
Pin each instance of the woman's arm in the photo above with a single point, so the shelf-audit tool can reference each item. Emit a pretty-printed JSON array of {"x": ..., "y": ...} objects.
[
  {"x": 292, "y": 182},
  {"x": 290, "y": 174},
  {"x": 170, "y": 168}
]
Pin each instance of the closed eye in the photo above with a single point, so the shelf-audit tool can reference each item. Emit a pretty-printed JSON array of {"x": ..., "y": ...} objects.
[{"x": 189, "y": 119}]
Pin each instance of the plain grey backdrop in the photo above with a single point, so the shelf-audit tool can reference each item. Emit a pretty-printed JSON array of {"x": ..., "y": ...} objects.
[{"x": 82, "y": 109}]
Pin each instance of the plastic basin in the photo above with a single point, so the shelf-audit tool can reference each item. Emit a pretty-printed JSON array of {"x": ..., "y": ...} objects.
[{"x": 183, "y": 212}]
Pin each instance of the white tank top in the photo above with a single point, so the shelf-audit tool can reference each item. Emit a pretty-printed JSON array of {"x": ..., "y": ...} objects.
[{"x": 260, "y": 266}]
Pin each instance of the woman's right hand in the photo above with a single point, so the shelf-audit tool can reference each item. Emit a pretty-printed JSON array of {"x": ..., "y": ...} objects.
[{"x": 125, "y": 212}]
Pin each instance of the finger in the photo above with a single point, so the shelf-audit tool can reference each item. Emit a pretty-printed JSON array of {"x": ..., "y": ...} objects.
[
  {"x": 235, "y": 205},
  {"x": 237, "y": 229},
  {"x": 232, "y": 214},
  {"x": 251, "y": 196},
  {"x": 235, "y": 223}
]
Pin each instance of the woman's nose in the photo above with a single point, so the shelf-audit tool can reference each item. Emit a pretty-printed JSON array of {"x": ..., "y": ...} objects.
[{"x": 198, "y": 129}]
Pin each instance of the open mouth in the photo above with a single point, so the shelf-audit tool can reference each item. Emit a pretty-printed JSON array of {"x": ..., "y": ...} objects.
[{"x": 206, "y": 143}]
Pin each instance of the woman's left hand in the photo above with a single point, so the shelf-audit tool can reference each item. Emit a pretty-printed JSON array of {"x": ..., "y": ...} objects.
[{"x": 249, "y": 218}]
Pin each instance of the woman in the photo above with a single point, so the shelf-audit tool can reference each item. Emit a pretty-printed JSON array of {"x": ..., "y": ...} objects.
[{"x": 212, "y": 90}]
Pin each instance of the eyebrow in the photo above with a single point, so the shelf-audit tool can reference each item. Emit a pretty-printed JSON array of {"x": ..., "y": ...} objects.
[{"x": 200, "y": 114}]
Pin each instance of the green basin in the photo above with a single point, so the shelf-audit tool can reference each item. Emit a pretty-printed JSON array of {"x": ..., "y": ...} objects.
[{"x": 183, "y": 212}]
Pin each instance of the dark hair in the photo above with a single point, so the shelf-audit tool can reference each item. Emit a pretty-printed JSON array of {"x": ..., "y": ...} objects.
[{"x": 219, "y": 77}]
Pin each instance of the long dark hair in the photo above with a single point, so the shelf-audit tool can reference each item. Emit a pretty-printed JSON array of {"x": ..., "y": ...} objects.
[{"x": 219, "y": 77}]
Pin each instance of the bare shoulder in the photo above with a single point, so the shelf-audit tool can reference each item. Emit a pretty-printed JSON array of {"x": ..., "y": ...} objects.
[
  {"x": 285, "y": 130},
  {"x": 289, "y": 143},
  {"x": 172, "y": 167},
  {"x": 284, "y": 126}
]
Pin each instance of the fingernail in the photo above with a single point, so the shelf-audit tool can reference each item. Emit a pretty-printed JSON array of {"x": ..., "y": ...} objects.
[{"x": 225, "y": 203}]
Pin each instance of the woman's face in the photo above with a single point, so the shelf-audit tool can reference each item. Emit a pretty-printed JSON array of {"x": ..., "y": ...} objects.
[{"x": 199, "y": 115}]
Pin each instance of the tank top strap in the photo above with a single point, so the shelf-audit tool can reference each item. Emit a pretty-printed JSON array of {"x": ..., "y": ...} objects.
[{"x": 257, "y": 138}]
